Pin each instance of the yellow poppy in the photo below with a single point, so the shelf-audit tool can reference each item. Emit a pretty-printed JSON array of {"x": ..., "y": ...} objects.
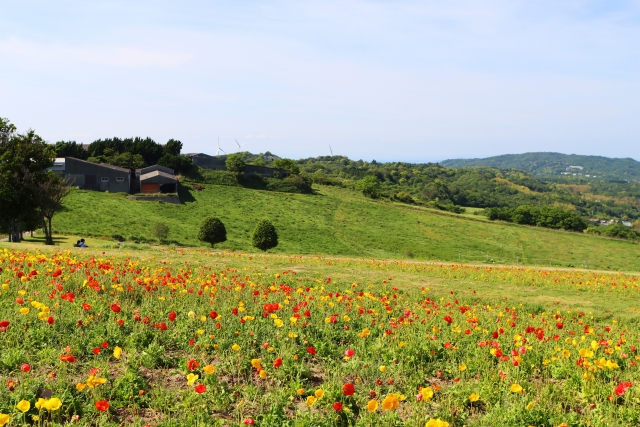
[
  {"x": 437, "y": 423},
  {"x": 311, "y": 400},
  {"x": 192, "y": 378},
  {"x": 52, "y": 404},
  {"x": 319, "y": 393},
  {"x": 516, "y": 388},
  {"x": 4, "y": 419},
  {"x": 23, "y": 405},
  {"x": 117, "y": 352},
  {"x": 372, "y": 405},
  {"x": 427, "y": 393},
  {"x": 209, "y": 369},
  {"x": 474, "y": 397}
]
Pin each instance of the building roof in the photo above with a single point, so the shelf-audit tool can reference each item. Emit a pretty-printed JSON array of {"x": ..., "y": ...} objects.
[
  {"x": 148, "y": 169},
  {"x": 157, "y": 176},
  {"x": 105, "y": 165}
]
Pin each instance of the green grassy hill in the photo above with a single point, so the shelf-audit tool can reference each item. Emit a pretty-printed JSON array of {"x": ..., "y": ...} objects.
[
  {"x": 552, "y": 164},
  {"x": 337, "y": 221}
]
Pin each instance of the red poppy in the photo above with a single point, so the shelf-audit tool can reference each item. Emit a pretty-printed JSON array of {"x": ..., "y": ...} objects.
[
  {"x": 448, "y": 319},
  {"x": 277, "y": 363},
  {"x": 348, "y": 389},
  {"x": 25, "y": 367},
  {"x": 213, "y": 315},
  {"x": 349, "y": 353},
  {"x": 249, "y": 422},
  {"x": 622, "y": 388},
  {"x": 96, "y": 350},
  {"x": 311, "y": 350},
  {"x": 172, "y": 316},
  {"x": 192, "y": 365},
  {"x": 67, "y": 358},
  {"x": 102, "y": 405},
  {"x": 337, "y": 406},
  {"x": 200, "y": 388},
  {"x": 4, "y": 323},
  {"x": 115, "y": 308}
]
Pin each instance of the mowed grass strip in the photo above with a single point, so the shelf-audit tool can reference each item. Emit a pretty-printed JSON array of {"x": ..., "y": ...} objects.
[{"x": 340, "y": 222}]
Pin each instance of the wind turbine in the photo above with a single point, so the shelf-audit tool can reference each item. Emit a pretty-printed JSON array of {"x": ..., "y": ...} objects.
[
  {"x": 330, "y": 150},
  {"x": 239, "y": 145},
  {"x": 219, "y": 149}
]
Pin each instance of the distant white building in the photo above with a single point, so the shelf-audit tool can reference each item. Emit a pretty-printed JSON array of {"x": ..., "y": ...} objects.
[{"x": 627, "y": 223}]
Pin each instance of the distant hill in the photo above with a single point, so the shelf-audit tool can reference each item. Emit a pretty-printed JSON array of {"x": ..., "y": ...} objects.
[{"x": 555, "y": 164}]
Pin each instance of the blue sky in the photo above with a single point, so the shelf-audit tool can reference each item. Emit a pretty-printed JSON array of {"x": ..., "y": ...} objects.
[{"x": 385, "y": 80}]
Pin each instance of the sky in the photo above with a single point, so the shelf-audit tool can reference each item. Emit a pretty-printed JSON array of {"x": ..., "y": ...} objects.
[{"x": 386, "y": 80}]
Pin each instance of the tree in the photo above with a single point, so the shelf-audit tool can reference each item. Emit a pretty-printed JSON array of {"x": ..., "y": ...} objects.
[
  {"x": 212, "y": 231},
  {"x": 235, "y": 165},
  {"x": 286, "y": 164},
  {"x": 49, "y": 189},
  {"x": 20, "y": 155},
  {"x": 180, "y": 164},
  {"x": 173, "y": 147},
  {"x": 265, "y": 236},
  {"x": 370, "y": 186},
  {"x": 160, "y": 230},
  {"x": 71, "y": 149}
]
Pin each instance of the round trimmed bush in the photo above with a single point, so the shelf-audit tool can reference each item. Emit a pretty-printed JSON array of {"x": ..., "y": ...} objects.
[
  {"x": 212, "y": 231},
  {"x": 265, "y": 236}
]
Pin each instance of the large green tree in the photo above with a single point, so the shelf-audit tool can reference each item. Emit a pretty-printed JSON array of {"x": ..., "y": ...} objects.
[{"x": 23, "y": 158}]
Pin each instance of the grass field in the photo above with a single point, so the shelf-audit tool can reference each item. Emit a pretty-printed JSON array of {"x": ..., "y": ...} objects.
[
  {"x": 175, "y": 337},
  {"x": 336, "y": 221}
]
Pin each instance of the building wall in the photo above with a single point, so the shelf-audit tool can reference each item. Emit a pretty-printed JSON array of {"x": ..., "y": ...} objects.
[
  {"x": 208, "y": 162},
  {"x": 80, "y": 174}
]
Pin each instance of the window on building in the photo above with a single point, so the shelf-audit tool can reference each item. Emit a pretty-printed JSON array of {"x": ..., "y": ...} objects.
[
  {"x": 104, "y": 179},
  {"x": 120, "y": 179}
]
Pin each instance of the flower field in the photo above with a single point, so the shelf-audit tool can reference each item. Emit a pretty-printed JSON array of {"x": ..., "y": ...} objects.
[{"x": 186, "y": 338}]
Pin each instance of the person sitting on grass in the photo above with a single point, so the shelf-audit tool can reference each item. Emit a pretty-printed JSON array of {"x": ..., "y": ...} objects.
[{"x": 82, "y": 244}]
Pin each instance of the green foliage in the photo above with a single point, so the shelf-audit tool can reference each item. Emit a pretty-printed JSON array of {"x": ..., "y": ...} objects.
[
  {"x": 123, "y": 160},
  {"x": 160, "y": 230},
  {"x": 172, "y": 147},
  {"x": 180, "y": 164},
  {"x": 264, "y": 236},
  {"x": 286, "y": 164},
  {"x": 545, "y": 216},
  {"x": 553, "y": 164},
  {"x": 71, "y": 149},
  {"x": 148, "y": 150},
  {"x": 370, "y": 186},
  {"x": 212, "y": 231},
  {"x": 235, "y": 165},
  {"x": 23, "y": 157}
]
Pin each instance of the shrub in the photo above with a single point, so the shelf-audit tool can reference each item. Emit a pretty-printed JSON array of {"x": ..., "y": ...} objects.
[
  {"x": 265, "y": 236},
  {"x": 212, "y": 231},
  {"x": 370, "y": 186},
  {"x": 235, "y": 165},
  {"x": 160, "y": 230}
]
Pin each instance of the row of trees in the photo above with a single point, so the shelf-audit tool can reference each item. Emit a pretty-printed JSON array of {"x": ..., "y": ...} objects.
[
  {"x": 29, "y": 194},
  {"x": 541, "y": 216},
  {"x": 213, "y": 231},
  {"x": 130, "y": 153}
]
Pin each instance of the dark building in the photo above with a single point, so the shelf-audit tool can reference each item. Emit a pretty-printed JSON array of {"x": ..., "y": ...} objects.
[
  {"x": 206, "y": 161},
  {"x": 157, "y": 179},
  {"x": 93, "y": 176}
]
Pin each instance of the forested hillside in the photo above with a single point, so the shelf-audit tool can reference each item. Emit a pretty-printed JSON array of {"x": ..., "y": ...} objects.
[{"x": 553, "y": 164}]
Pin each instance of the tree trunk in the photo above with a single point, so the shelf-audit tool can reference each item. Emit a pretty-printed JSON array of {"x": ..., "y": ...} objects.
[
  {"x": 48, "y": 233},
  {"x": 15, "y": 231}
]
